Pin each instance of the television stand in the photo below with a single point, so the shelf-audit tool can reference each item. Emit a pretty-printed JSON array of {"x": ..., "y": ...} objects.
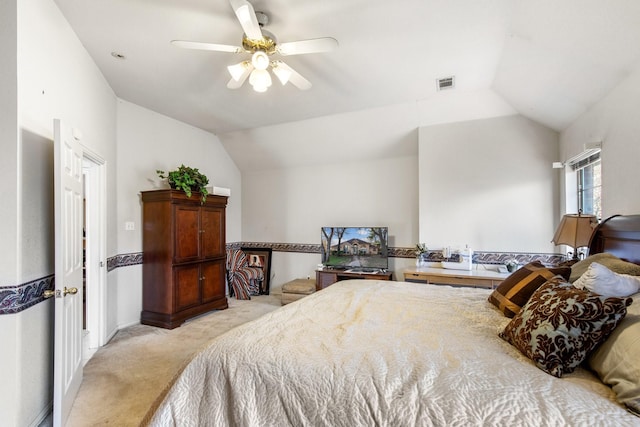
[{"x": 328, "y": 277}]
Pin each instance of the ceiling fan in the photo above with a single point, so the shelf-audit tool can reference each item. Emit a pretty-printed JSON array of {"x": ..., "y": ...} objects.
[{"x": 261, "y": 45}]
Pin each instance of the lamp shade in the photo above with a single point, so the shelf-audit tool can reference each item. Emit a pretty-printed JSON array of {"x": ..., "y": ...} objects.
[{"x": 575, "y": 230}]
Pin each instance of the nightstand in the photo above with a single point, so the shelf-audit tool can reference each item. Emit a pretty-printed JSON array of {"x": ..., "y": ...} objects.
[{"x": 442, "y": 276}]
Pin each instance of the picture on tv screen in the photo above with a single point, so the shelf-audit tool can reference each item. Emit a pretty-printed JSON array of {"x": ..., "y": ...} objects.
[{"x": 363, "y": 248}]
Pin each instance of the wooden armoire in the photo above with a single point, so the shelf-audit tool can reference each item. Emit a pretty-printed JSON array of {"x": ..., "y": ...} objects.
[{"x": 184, "y": 256}]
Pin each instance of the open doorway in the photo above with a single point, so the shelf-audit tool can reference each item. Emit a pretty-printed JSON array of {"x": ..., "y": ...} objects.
[{"x": 94, "y": 241}]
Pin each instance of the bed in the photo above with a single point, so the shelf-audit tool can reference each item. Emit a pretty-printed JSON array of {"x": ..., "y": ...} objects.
[{"x": 365, "y": 352}]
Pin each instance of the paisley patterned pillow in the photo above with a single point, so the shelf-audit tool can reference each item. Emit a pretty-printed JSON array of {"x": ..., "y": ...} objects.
[{"x": 561, "y": 324}]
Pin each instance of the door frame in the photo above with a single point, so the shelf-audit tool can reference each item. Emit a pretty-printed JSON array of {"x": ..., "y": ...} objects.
[{"x": 96, "y": 247}]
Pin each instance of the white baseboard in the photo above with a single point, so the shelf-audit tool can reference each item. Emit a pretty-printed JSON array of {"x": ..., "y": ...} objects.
[
  {"x": 126, "y": 325},
  {"x": 111, "y": 335},
  {"x": 115, "y": 331},
  {"x": 41, "y": 420}
]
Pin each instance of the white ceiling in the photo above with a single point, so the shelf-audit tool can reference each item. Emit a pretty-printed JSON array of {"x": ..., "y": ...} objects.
[{"x": 550, "y": 59}]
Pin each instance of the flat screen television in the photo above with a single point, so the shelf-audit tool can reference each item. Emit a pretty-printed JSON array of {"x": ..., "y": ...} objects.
[{"x": 355, "y": 248}]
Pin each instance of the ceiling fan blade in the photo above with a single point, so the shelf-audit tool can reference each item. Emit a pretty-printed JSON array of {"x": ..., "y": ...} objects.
[
  {"x": 207, "y": 46},
  {"x": 285, "y": 73},
  {"x": 236, "y": 83},
  {"x": 323, "y": 44},
  {"x": 247, "y": 17}
]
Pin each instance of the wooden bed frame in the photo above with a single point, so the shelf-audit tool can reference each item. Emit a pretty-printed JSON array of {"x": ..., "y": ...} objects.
[{"x": 619, "y": 235}]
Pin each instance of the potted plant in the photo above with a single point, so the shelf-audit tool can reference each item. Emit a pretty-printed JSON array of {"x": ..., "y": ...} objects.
[
  {"x": 421, "y": 252},
  {"x": 186, "y": 179},
  {"x": 512, "y": 265}
]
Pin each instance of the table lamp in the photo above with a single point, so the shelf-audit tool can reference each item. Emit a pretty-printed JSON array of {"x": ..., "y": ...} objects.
[{"x": 575, "y": 231}]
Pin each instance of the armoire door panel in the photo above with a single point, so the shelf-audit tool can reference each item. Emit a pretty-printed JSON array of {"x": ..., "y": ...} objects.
[
  {"x": 186, "y": 280},
  {"x": 212, "y": 233},
  {"x": 187, "y": 233},
  {"x": 213, "y": 283}
]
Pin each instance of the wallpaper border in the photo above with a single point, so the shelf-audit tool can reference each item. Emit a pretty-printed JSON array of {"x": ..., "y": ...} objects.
[
  {"x": 123, "y": 260},
  {"x": 14, "y": 299}
]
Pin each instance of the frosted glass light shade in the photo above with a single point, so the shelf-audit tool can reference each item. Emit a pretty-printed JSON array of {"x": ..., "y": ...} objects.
[
  {"x": 282, "y": 74},
  {"x": 260, "y": 60},
  {"x": 260, "y": 80},
  {"x": 237, "y": 70}
]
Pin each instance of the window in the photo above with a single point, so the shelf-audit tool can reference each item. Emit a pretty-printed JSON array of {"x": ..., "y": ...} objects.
[{"x": 589, "y": 179}]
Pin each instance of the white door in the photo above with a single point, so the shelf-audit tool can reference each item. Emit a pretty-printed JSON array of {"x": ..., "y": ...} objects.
[{"x": 67, "y": 372}]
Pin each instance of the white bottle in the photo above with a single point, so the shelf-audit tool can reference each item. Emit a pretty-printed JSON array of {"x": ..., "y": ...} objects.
[{"x": 466, "y": 258}]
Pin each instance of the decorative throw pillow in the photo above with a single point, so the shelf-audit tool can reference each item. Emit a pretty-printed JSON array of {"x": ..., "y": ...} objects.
[
  {"x": 561, "y": 324},
  {"x": 616, "y": 360},
  {"x": 609, "y": 260},
  {"x": 601, "y": 280},
  {"x": 515, "y": 290}
]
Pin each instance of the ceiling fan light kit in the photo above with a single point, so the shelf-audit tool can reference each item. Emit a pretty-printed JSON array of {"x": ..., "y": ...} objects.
[
  {"x": 260, "y": 60},
  {"x": 261, "y": 44},
  {"x": 281, "y": 73},
  {"x": 260, "y": 80},
  {"x": 237, "y": 70}
]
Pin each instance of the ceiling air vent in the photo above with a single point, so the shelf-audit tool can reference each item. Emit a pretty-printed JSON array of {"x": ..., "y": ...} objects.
[{"x": 445, "y": 83}]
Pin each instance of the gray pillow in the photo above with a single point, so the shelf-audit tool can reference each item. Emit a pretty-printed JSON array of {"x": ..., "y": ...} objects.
[{"x": 617, "y": 359}]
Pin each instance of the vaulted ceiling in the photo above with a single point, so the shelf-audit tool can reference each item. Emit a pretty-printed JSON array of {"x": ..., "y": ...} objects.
[{"x": 550, "y": 59}]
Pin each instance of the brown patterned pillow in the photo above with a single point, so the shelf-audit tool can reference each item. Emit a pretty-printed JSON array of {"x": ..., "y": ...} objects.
[
  {"x": 561, "y": 324},
  {"x": 515, "y": 290}
]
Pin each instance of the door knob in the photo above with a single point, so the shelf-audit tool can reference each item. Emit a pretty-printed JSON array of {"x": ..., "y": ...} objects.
[
  {"x": 71, "y": 291},
  {"x": 49, "y": 293},
  {"x": 56, "y": 293}
]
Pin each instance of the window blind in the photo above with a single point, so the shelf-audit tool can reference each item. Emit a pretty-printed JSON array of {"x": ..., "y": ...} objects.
[{"x": 584, "y": 160}]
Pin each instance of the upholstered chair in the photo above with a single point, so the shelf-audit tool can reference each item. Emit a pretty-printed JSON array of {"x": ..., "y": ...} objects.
[{"x": 243, "y": 280}]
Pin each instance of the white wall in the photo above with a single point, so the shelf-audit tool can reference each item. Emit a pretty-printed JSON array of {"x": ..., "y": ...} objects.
[
  {"x": 35, "y": 363},
  {"x": 358, "y": 168},
  {"x": 45, "y": 74},
  {"x": 37, "y": 239},
  {"x": 614, "y": 121},
  {"x": 8, "y": 207},
  {"x": 376, "y": 133},
  {"x": 489, "y": 183},
  {"x": 148, "y": 141},
  {"x": 9, "y": 138},
  {"x": 291, "y": 205}
]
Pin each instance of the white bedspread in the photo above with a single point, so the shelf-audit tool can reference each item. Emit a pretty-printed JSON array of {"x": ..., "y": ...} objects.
[{"x": 365, "y": 353}]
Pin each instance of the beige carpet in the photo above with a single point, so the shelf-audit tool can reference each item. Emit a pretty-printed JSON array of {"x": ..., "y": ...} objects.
[{"x": 128, "y": 377}]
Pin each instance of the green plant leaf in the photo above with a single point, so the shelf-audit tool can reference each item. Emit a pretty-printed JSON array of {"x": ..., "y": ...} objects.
[{"x": 186, "y": 179}]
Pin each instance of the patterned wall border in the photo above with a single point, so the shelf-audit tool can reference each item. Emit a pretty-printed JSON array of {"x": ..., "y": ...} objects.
[
  {"x": 14, "y": 299},
  {"x": 500, "y": 258},
  {"x": 124, "y": 260},
  {"x": 520, "y": 257},
  {"x": 478, "y": 257}
]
